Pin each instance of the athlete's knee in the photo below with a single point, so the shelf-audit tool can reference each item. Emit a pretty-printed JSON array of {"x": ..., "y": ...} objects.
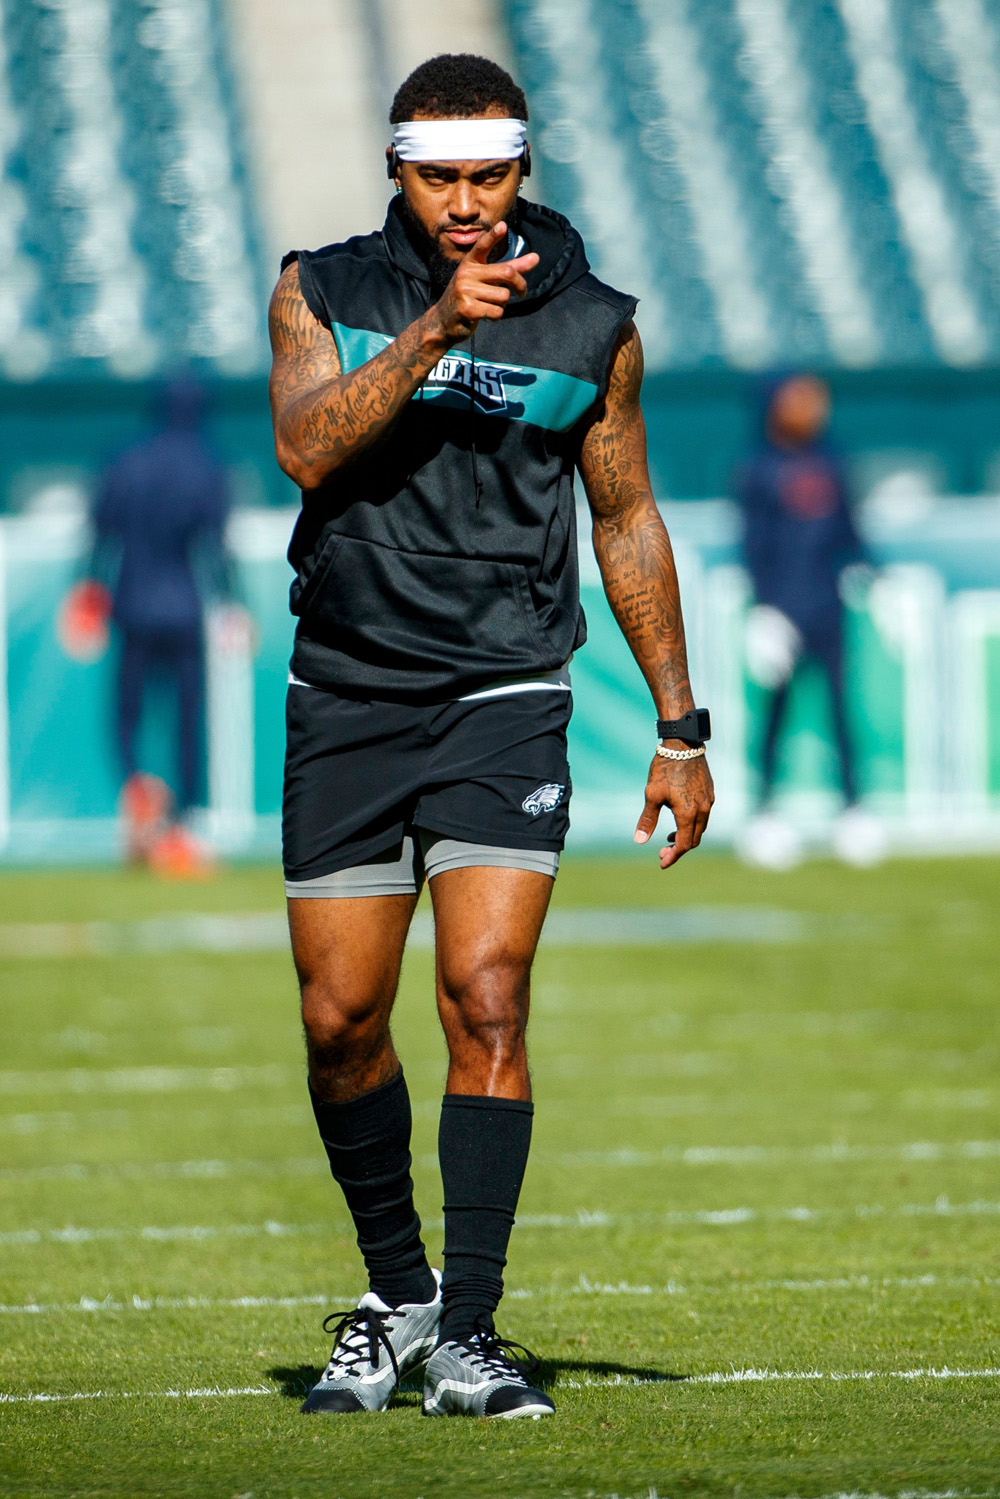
[
  {"x": 486, "y": 1006},
  {"x": 339, "y": 1025}
]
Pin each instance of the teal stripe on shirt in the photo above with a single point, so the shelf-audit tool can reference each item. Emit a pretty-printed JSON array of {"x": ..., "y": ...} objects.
[
  {"x": 545, "y": 398},
  {"x": 356, "y": 346}
]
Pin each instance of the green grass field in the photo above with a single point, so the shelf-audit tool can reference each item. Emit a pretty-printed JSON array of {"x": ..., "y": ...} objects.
[{"x": 766, "y": 1147}]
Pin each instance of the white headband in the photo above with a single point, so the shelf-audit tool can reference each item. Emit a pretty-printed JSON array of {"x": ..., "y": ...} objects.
[{"x": 460, "y": 140}]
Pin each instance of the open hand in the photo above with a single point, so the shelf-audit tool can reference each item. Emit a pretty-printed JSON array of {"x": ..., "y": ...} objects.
[
  {"x": 480, "y": 289},
  {"x": 685, "y": 787}
]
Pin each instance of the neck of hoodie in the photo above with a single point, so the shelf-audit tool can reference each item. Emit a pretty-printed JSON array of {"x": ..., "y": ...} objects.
[
  {"x": 561, "y": 256},
  {"x": 561, "y": 261}
]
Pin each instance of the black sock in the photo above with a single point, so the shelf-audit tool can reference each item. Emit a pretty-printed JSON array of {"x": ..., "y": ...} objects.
[
  {"x": 368, "y": 1143},
  {"x": 483, "y": 1147}
]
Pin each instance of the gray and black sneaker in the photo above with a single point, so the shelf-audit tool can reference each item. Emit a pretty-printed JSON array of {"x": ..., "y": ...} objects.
[
  {"x": 374, "y": 1346},
  {"x": 477, "y": 1376}
]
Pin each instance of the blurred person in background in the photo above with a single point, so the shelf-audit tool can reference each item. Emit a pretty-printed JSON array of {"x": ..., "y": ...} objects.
[
  {"x": 799, "y": 538},
  {"x": 159, "y": 552}
]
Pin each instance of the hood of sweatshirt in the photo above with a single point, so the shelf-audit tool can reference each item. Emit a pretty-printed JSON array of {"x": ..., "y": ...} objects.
[{"x": 562, "y": 260}]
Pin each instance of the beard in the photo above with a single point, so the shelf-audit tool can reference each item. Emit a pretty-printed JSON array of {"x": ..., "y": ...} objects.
[{"x": 439, "y": 267}]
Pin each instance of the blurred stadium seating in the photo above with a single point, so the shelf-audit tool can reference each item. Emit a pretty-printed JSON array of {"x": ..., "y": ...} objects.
[
  {"x": 783, "y": 181},
  {"x": 790, "y": 181},
  {"x": 125, "y": 210}
]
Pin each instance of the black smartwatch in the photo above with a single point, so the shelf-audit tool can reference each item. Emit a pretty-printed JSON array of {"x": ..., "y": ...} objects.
[{"x": 693, "y": 729}]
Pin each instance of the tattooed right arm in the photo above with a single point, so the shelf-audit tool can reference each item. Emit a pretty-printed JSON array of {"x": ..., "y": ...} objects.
[{"x": 322, "y": 417}]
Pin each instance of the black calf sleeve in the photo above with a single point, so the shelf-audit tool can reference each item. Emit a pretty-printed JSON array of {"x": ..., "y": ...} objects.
[
  {"x": 483, "y": 1148},
  {"x": 368, "y": 1144}
]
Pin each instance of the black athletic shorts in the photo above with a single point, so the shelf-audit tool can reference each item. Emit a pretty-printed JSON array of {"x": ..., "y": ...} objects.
[{"x": 361, "y": 775}]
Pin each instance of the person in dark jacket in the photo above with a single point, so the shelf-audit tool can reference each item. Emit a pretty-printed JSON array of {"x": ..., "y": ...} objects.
[
  {"x": 798, "y": 537},
  {"x": 159, "y": 520}
]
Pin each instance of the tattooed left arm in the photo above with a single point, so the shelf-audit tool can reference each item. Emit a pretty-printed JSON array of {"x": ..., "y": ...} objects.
[{"x": 640, "y": 580}]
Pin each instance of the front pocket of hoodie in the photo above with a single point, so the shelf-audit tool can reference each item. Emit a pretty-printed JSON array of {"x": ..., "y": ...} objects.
[
  {"x": 408, "y": 609},
  {"x": 305, "y": 590}
]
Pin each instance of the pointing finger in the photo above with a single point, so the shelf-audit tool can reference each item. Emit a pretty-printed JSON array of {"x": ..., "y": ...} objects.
[
  {"x": 505, "y": 276},
  {"x": 499, "y": 273},
  {"x": 486, "y": 243}
]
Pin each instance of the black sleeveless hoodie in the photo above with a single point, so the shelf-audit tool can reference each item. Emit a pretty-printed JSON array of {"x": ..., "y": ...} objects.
[{"x": 445, "y": 558}]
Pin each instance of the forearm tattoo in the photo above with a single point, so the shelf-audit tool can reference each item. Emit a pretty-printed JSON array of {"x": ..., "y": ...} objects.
[
  {"x": 630, "y": 540},
  {"x": 322, "y": 417}
]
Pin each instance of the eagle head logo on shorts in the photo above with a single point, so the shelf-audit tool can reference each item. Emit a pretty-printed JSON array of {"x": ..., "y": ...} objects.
[{"x": 545, "y": 799}]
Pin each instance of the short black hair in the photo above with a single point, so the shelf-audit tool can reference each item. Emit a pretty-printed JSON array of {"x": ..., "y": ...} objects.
[{"x": 457, "y": 86}]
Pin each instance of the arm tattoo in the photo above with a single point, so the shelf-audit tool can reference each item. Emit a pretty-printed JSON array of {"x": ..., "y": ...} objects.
[
  {"x": 630, "y": 540},
  {"x": 322, "y": 417}
]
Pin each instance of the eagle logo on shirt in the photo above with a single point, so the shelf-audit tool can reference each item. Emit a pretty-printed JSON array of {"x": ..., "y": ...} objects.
[
  {"x": 485, "y": 380},
  {"x": 485, "y": 384},
  {"x": 545, "y": 799}
]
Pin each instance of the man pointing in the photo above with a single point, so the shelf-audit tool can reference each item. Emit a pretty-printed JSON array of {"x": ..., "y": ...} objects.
[{"x": 435, "y": 387}]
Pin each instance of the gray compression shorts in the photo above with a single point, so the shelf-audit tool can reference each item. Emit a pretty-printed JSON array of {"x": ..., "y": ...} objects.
[{"x": 423, "y": 855}]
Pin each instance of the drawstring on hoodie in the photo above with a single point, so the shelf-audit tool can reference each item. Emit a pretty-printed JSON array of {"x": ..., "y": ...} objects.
[{"x": 472, "y": 415}]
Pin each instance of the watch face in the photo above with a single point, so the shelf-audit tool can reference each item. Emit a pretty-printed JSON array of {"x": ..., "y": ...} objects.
[{"x": 694, "y": 727}]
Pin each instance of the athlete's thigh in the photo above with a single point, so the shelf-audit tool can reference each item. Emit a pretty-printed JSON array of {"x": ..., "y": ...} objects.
[
  {"x": 348, "y": 950},
  {"x": 487, "y": 920}
]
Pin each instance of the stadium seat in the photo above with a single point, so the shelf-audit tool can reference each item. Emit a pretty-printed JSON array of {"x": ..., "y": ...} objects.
[
  {"x": 127, "y": 224},
  {"x": 780, "y": 211}
]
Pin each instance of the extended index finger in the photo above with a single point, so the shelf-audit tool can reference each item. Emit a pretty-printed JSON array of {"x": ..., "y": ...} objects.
[{"x": 487, "y": 242}]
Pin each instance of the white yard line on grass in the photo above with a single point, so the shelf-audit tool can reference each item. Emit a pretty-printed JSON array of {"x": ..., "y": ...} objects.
[
  {"x": 296, "y": 1115},
  {"x": 118, "y": 1120},
  {"x": 58, "y": 1082},
  {"x": 156, "y": 1234},
  {"x": 837, "y": 1154},
  {"x": 93, "y": 1305},
  {"x": 244, "y": 933},
  {"x": 167, "y": 1170},
  {"x": 901, "y": 1494},
  {"x": 141, "y": 1394},
  {"x": 651, "y": 1492},
  {"x": 587, "y": 1287},
  {"x": 137, "y": 1303},
  {"x": 942, "y": 1207},
  {"x": 732, "y": 1376},
  {"x": 148, "y": 1079},
  {"x": 776, "y": 1376}
]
